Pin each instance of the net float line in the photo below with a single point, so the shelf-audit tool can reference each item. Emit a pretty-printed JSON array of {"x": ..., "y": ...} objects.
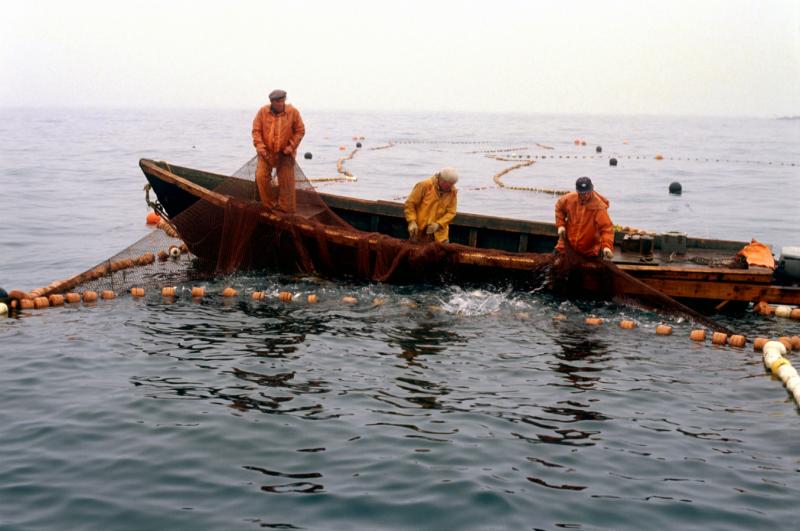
[
  {"x": 500, "y": 150},
  {"x": 385, "y": 146},
  {"x": 340, "y": 169},
  {"x": 778, "y": 365},
  {"x": 498, "y": 176}
]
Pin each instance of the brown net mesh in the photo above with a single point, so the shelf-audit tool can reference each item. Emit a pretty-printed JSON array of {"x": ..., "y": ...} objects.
[{"x": 226, "y": 228}]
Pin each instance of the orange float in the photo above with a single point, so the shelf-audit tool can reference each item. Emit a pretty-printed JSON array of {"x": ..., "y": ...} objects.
[
  {"x": 153, "y": 218},
  {"x": 137, "y": 292},
  {"x": 719, "y": 338},
  {"x": 25, "y": 304},
  {"x": 198, "y": 292},
  {"x": 89, "y": 296},
  {"x": 347, "y": 299},
  {"x": 737, "y": 340},
  {"x": 663, "y": 330},
  {"x": 168, "y": 291},
  {"x": 559, "y": 317},
  {"x": 56, "y": 299},
  {"x": 795, "y": 314},
  {"x": 786, "y": 343},
  {"x": 697, "y": 335},
  {"x": 795, "y": 341},
  {"x": 259, "y": 295},
  {"x": 162, "y": 255},
  {"x": 312, "y": 299},
  {"x": 146, "y": 258},
  {"x": 763, "y": 308},
  {"x": 41, "y": 302},
  {"x": 759, "y": 342},
  {"x": 627, "y": 324},
  {"x": 72, "y": 298},
  {"x": 285, "y": 296},
  {"x": 229, "y": 292},
  {"x": 593, "y": 321},
  {"x": 659, "y": 156},
  {"x": 107, "y": 295}
]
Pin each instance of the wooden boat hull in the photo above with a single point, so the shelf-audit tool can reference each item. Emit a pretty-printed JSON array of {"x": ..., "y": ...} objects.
[{"x": 684, "y": 278}]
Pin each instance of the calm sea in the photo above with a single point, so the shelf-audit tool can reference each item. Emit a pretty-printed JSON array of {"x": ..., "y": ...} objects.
[{"x": 442, "y": 408}]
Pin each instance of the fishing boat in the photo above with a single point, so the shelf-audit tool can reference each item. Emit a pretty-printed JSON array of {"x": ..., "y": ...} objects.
[{"x": 702, "y": 273}]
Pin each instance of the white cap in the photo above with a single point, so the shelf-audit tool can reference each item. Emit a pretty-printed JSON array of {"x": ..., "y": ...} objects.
[{"x": 448, "y": 174}]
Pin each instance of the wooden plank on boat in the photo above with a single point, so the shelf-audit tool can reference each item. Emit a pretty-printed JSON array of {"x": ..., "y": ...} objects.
[{"x": 725, "y": 291}]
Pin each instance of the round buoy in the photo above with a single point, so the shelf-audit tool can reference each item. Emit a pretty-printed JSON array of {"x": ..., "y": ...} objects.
[
  {"x": 347, "y": 299},
  {"x": 763, "y": 308},
  {"x": 89, "y": 296},
  {"x": 577, "y": 141},
  {"x": 3, "y": 308},
  {"x": 627, "y": 324},
  {"x": 795, "y": 314},
  {"x": 593, "y": 321},
  {"x": 312, "y": 299},
  {"x": 358, "y": 144},
  {"x": 663, "y": 330},
  {"x": 795, "y": 341},
  {"x": 56, "y": 299},
  {"x": 307, "y": 155},
  {"x": 675, "y": 188},
  {"x": 599, "y": 149},
  {"x": 4, "y": 295},
  {"x": 198, "y": 292},
  {"x": 162, "y": 255},
  {"x": 759, "y": 342},
  {"x": 719, "y": 338},
  {"x": 783, "y": 311},
  {"x": 285, "y": 296},
  {"x": 137, "y": 292},
  {"x": 25, "y": 304},
  {"x": 174, "y": 251},
  {"x": 258, "y": 295},
  {"x": 342, "y": 148},
  {"x": 786, "y": 342},
  {"x": 659, "y": 156},
  {"x": 229, "y": 292},
  {"x": 697, "y": 335},
  {"x": 72, "y": 298},
  {"x": 153, "y": 218},
  {"x": 107, "y": 294},
  {"x": 612, "y": 161},
  {"x": 737, "y": 340}
]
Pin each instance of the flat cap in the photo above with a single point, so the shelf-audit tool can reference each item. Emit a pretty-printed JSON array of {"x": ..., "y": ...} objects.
[{"x": 277, "y": 94}]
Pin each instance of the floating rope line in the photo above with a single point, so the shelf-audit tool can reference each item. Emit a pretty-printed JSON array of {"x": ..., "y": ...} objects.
[
  {"x": 345, "y": 175},
  {"x": 502, "y": 150},
  {"x": 498, "y": 176},
  {"x": 386, "y": 146}
]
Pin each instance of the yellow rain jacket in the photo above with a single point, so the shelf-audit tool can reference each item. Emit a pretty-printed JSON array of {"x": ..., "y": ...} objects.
[
  {"x": 273, "y": 132},
  {"x": 427, "y": 204},
  {"x": 588, "y": 226}
]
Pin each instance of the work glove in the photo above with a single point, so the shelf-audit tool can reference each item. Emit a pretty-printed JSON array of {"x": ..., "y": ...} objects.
[
  {"x": 433, "y": 227},
  {"x": 562, "y": 231},
  {"x": 608, "y": 254},
  {"x": 413, "y": 230}
]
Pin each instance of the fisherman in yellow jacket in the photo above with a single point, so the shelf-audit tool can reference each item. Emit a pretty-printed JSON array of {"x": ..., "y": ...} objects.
[
  {"x": 431, "y": 207},
  {"x": 277, "y": 131}
]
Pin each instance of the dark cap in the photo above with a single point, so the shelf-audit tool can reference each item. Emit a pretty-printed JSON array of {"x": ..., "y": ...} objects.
[
  {"x": 277, "y": 94},
  {"x": 584, "y": 184}
]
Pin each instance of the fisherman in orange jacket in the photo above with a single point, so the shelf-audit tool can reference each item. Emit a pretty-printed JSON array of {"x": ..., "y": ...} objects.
[
  {"x": 431, "y": 206},
  {"x": 582, "y": 217},
  {"x": 277, "y": 131}
]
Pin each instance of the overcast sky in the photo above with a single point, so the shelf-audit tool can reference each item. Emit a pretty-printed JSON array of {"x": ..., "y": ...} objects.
[{"x": 720, "y": 57}]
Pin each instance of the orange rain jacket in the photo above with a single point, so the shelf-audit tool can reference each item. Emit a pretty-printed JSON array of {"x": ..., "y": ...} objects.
[
  {"x": 273, "y": 132},
  {"x": 426, "y": 204},
  {"x": 589, "y": 228}
]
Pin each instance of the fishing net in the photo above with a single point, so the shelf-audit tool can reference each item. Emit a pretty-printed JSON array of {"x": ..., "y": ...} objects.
[{"x": 217, "y": 225}]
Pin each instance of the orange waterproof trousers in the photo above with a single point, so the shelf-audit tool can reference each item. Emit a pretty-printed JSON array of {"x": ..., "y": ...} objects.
[{"x": 283, "y": 196}]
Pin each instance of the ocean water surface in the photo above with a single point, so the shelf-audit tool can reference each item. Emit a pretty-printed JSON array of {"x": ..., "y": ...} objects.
[{"x": 432, "y": 407}]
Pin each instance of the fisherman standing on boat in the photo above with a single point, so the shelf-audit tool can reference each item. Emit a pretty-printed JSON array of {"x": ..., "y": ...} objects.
[
  {"x": 582, "y": 217},
  {"x": 431, "y": 206},
  {"x": 277, "y": 131}
]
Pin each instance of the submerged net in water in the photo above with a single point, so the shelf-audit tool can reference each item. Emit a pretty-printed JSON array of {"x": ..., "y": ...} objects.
[{"x": 226, "y": 228}]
